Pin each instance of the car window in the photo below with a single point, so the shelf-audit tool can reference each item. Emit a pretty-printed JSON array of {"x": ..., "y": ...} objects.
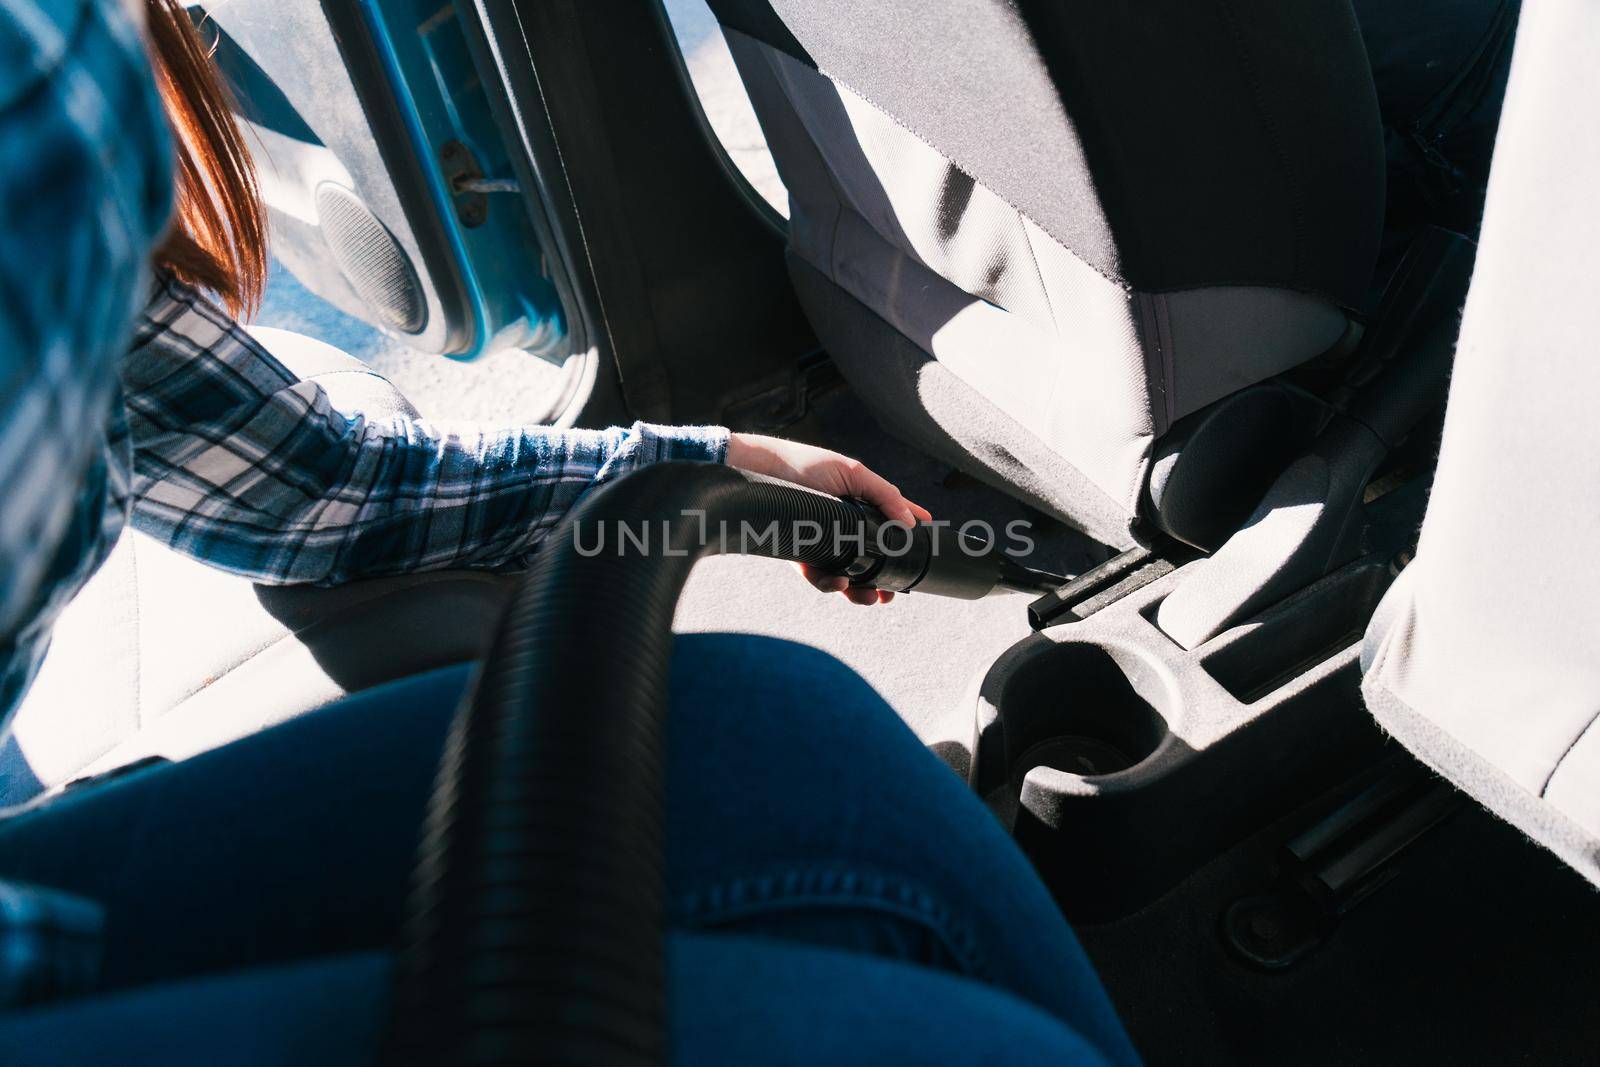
[{"x": 723, "y": 99}]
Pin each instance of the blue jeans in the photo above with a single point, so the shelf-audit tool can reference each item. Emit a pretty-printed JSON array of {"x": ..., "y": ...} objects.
[{"x": 836, "y": 894}]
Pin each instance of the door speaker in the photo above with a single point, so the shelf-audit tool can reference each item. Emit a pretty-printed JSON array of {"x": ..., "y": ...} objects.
[{"x": 370, "y": 259}]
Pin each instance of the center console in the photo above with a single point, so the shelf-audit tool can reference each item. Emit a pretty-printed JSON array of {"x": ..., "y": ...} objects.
[
  {"x": 1122, "y": 761},
  {"x": 1189, "y": 693}
]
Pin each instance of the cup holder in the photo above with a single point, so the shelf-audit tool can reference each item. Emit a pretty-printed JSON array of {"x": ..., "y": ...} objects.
[
  {"x": 1121, "y": 763},
  {"x": 1073, "y": 742},
  {"x": 1081, "y": 754},
  {"x": 1088, "y": 710}
]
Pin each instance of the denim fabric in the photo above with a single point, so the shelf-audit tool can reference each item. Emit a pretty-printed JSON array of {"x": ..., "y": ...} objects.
[
  {"x": 735, "y": 1000},
  {"x": 819, "y": 860}
]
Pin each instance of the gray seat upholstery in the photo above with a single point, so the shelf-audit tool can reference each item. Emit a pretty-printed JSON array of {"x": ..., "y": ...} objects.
[
  {"x": 1484, "y": 657},
  {"x": 1035, "y": 235},
  {"x": 163, "y": 655}
]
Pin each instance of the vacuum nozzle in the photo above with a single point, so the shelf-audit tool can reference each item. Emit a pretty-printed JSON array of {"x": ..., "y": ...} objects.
[{"x": 934, "y": 558}]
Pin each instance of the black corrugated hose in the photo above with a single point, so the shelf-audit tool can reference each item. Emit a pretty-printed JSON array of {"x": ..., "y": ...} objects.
[{"x": 537, "y": 917}]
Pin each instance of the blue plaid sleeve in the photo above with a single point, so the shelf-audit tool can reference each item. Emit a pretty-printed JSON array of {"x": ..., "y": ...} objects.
[{"x": 241, "y": 464}]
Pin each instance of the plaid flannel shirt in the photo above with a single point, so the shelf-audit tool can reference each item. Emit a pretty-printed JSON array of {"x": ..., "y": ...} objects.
[
  {"x": 85, "y": 189},
  {"x": 239, "y": 463}
]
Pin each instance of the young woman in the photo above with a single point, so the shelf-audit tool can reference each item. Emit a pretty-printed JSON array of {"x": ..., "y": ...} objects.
[{"x": 836, "y": 895}]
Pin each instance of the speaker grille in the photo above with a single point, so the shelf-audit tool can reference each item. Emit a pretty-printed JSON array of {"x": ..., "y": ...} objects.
[{"x": 374, "y": 264}]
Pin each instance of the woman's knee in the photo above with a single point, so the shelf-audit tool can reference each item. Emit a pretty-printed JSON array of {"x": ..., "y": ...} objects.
[{"x": 801, "y": 808}]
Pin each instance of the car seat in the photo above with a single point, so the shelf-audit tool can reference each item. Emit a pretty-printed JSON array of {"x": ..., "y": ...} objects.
[
  {"x": 1035, "y": 236},
  {"x": 1481, "y": 658},
  {"x": 225, "y": 657}
]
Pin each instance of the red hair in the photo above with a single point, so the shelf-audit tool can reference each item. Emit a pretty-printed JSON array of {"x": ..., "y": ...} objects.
[{"x": 219, "y": 237}]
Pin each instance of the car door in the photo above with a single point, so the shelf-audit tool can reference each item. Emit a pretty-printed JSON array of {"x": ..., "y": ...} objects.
[{"x": 474, "y": 176}]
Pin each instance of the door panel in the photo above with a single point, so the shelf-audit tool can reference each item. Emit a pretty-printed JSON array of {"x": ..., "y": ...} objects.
[{"x": 384, "y": 174}]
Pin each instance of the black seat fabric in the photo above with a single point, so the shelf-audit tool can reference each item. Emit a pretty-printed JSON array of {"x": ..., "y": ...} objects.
[{"x": 1034, "y": 234}]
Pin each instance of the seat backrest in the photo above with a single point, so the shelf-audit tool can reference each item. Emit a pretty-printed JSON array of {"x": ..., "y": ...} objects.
[
  {"x": 1484, "y": 658},
  {"x": 1097, "y": 217}
]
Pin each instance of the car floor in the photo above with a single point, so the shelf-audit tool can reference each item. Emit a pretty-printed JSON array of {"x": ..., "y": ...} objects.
[
  {"x": 498, "y": 389},
  {"x": 924, "y": 654},
  {"x": 1480, "y": 949}
]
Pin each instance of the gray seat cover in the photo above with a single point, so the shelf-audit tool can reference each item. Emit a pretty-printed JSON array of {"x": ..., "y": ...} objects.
[
  {"x": 1484, "y": 659},
  {"x": 163, "y": 655}
]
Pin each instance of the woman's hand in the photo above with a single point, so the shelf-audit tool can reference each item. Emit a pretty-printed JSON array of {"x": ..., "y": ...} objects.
[{"x": 826, "y": 472}]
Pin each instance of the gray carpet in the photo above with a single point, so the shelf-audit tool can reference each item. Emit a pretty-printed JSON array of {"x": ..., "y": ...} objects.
[{"x": 922, "y": 653}]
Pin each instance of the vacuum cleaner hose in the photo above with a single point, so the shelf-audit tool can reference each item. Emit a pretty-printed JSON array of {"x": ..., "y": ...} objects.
[{"x": 536, "y": 919}]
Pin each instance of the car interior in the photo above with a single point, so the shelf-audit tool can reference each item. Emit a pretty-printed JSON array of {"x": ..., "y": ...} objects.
[{"x": 1293, "y": 703}]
